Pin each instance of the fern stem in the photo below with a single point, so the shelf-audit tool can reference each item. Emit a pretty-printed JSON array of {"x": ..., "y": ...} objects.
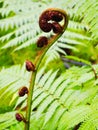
[
  {"x": 38, "y": 62},
  {"x": 29, "y": 100}
]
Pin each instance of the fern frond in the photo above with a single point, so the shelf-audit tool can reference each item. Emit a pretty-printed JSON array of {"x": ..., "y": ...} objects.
[
  {"x": 61, "y": 101},
  {"x": 91, "y": 123},
  {"x": 73, "y": 117},
  {"x": 8, "y": 94}
]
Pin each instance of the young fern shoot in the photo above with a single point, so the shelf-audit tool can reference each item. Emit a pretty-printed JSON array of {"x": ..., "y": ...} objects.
[{"x": 52, "y": 19}]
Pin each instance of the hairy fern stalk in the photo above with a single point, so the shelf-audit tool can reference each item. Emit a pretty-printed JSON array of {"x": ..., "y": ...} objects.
[{"x": 66, "y": 85}]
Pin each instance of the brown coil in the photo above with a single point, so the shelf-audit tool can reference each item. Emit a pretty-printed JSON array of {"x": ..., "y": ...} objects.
[{"x": 53, "y": 16}]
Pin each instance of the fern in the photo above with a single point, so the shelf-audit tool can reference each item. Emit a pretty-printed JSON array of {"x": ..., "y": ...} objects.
[
  {"x": 61, "y": 101},
  {"x": 8, "y": 94}
]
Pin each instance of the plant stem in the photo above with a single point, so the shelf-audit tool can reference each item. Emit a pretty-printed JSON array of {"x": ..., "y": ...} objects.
[
  {"x": 37, "y": 64},
  {"x": 29, "y": 100}
]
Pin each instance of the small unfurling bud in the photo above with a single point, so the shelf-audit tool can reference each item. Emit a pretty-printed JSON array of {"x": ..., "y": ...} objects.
[
  {"x": 19, "y": 117},
  {"x": 42, "y": 41},
  {"x": 56, "y": 27},
  {"x": 30, "y": 66},
  {"x": 22, "y": 91}
]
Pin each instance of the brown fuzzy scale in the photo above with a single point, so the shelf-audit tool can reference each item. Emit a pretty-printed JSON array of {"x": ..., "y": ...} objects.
[
  {"x": 23, "y": 91},
  {"x": 30, "y": 66},
  {"x": 56, "y": 16},
  {"x": 19, "y": 117},
  {"x": 42, "y": 41},
  {"x": 46, "y": 16},
  {"x": 57, "y": 28}
]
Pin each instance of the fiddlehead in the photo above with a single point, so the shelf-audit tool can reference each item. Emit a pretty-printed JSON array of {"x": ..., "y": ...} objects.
[
  {"x": 22, "y": 91},
  {"x": 42, "y": 41},
  {"x": 20, "y": 117},
  {"x": 55, "y": 20},
  {"x": 50, "y": 20}
]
